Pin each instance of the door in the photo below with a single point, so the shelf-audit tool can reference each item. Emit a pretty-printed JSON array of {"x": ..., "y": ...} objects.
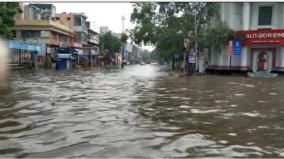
[{"x": 262, "y": 60}]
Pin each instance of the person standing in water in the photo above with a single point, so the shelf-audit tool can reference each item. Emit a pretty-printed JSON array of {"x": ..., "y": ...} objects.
[{"x": 191, "y": 62}]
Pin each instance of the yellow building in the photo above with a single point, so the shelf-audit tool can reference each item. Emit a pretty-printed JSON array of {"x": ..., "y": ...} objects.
[{"x": 52, "y": 34}]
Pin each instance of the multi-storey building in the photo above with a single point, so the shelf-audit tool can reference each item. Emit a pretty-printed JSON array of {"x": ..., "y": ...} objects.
[
  {"x": 104, "y": 29},
  {"x": 50, "y": 33},
  {"x": 34, "y": 29},
  {"x": 77, "y": 22},
  {"x": 262, "y": 27},
  {"x": 93, "y": 43},
  {"x": 46, "y": 11}
]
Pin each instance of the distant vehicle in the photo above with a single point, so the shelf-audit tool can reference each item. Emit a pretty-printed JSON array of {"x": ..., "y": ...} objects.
[{"x": 142, "y": 63}]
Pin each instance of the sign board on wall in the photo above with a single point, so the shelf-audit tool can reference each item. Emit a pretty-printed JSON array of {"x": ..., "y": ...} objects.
[
  {"x": 263, "y": 36},
  {"x": 230, "y": 48},
  {"x": 237, "y": 47},
  {"x": 77, "y": 45},
  {"x": 176, "y": 56},
  {"x": 25, "y": 46},
  {"x": 48, "y": 50}
]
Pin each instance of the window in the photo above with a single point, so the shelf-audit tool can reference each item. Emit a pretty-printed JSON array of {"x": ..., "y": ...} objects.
[
  {"x": 62, "y": 38},
  {"x": 68, "y": 18},
  {"x": 265, "y": 15},
  {"x": 78, "y": 21},
  {"x": 30, "y": 34},
  {"x": 54, "y": 35},
  {"x": 57, "y": 18}
]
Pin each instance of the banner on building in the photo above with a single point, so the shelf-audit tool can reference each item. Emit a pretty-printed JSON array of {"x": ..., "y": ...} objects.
[
  {"x": 262, "y": 36},
  {"x": 26, "y": 46}
]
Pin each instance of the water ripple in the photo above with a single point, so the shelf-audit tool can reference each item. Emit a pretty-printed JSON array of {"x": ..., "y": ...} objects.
[{"x": 139, "y": 111}]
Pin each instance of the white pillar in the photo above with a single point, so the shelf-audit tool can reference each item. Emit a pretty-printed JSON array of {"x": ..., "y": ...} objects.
[
  {"x": 282, "y": 14},
  {"x": 222, "y": 58},
  {"x": 246, "y": 15},
  {"x": 281, "y": 61},
  {"x": 244, "y": 57},
  {"x": 222, "y": 12}
]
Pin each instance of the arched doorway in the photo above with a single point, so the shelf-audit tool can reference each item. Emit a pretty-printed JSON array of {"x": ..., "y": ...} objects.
[{"x": 262, "y": 60}]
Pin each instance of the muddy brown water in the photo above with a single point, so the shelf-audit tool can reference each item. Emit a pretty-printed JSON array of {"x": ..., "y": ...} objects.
[{"x": 140, "y": 111}]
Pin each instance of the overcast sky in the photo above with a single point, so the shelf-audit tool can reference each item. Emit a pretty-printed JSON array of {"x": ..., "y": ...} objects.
[{"x": 102, "y": 14}]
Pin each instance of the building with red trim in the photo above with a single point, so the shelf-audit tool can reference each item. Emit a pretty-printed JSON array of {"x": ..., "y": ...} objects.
[{"x": 261, "y": 26}]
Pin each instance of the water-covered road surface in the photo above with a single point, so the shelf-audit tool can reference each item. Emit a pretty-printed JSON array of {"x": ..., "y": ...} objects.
[{"x": 140, "y": 111}]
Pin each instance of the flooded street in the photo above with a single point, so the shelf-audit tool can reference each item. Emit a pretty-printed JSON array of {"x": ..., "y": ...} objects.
[{"x": 140, "y": 111}]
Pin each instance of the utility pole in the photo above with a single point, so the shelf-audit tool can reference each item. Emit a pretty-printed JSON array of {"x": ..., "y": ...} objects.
[
  {"x": 89, "y": 44},
  {"x": 70, "y": 49},
  {"x": 195, "y": 29},
  {"x": 122, "y": 49}
]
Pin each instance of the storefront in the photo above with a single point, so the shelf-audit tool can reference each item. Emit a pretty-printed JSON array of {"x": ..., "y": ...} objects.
[
  {"x": 265, "y": 49},
  {"x": 64, "y": 59},
  {"x": 24, "y": 53},
  {"x": 77, "y": 51},
  {"x": 262, "y": 50},
  {"x": 262, "y": 42}
]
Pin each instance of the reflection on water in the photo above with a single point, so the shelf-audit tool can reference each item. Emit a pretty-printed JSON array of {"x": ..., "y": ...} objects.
[{"x": 140, "y": 111}]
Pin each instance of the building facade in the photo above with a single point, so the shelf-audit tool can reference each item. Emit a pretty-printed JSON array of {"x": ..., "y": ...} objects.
[
  {"x": 46, "y": 11},
  {"x": 43, "y": 31},
  {"x": 77, "y": 22},
  {"x": 93, "y": 47},
  {"x": 261, "y": 26},
  {"x": 104, "y": 29},
  {"x": 34, "y": 28}
]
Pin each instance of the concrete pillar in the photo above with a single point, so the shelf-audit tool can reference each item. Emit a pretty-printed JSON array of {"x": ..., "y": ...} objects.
[
  {"x": 246, "y": 15},
  {"x": 18, "y": 34},
  {"x": 221, "y": 58},
  {"x": 244, "y": 57},
  {"x": 281, "y": 61},
  {"x": 222, "y": 12},
  {"x": 282, "y": 14}
]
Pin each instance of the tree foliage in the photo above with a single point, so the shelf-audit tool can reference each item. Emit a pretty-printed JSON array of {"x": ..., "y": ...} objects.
[
  {"x": 112, "y": 43},
  {"x": 8, "y": 10},
  {"x": 167, "y": 24},
  {"x": 109, "y": 42},
  {"x": 219, "y": 36},
  {"x": 123, "y": 38}
]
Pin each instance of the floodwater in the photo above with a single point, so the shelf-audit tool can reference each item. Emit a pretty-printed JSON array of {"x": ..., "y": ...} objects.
[{"x": 140, "y": 111}]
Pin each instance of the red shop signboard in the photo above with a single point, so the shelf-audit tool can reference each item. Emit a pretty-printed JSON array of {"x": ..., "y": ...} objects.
[{"x": 263, "y": 36}]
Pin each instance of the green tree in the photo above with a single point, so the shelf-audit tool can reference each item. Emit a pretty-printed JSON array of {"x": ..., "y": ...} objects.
[
  {"x": 8, "y": 10},
  {"x": 109, "y": 42},
  {"x": 167, "y": 24},
  {"x": 219, "y": 36},
  {"x": 123, "y": 38}
]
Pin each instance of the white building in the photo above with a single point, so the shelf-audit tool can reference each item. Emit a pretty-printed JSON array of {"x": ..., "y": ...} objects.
[
  {"x": 104, "y": 29},
  {"x": 262, "y": 25}
]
